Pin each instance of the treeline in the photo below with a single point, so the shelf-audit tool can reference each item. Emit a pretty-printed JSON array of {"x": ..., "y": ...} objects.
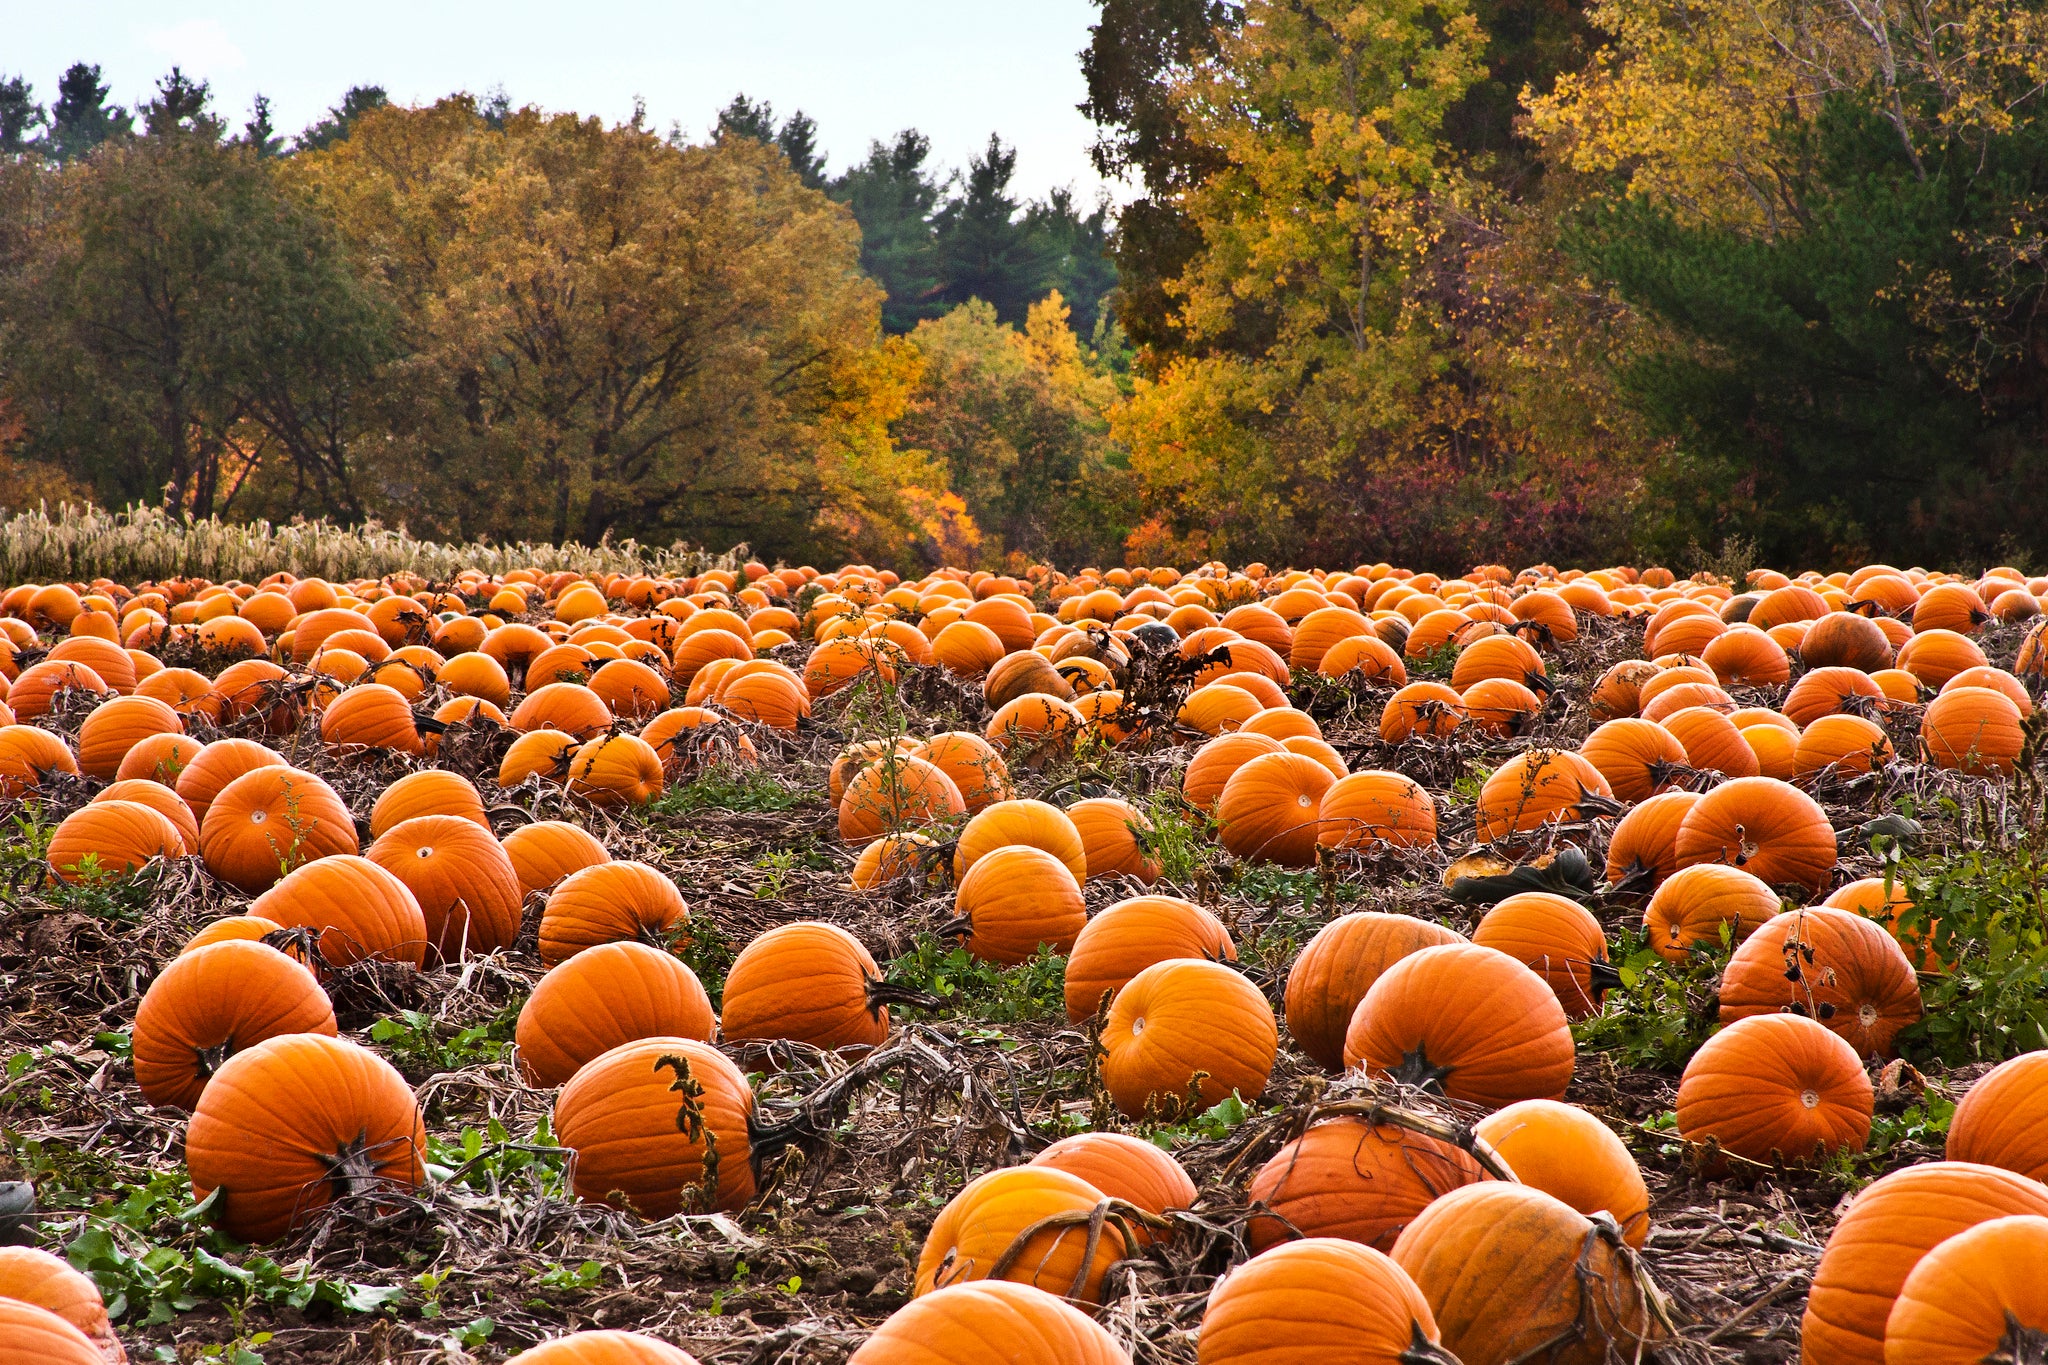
[{"x": 472, "y": 319}]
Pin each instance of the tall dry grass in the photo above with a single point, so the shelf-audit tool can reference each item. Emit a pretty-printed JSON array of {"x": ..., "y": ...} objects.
[{"x": 80, "y": 543}]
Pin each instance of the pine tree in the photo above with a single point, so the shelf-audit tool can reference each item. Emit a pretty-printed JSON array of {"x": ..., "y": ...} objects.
[
  {"x": 798, "y": 139},
  {"x": 359, "y": 100},
  {"x": 180, "y": 107},
  {"x": 985, "y": 251},
  {"x": 82, "y": 119},
  {"x": 746, "y": 118},
  {"x": 20, "y": 115},
  {"x": 893, "y": 197}
]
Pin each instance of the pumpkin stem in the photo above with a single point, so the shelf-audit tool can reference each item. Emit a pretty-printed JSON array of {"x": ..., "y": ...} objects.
[
  {"x": 1422, "y": 1351},
  {"x": 1639, "y": 880},
  {"x": 2021, "y": 1345},
  {"x": 1418, "y": 1071},
  {"x": 352, "y": 1170},
  {"x": 1605, "y": 976},
  {"x": 881, "y": 993}
]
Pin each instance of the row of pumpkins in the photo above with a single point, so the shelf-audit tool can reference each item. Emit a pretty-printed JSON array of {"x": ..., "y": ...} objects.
[{"x": 625, "y": 1028}]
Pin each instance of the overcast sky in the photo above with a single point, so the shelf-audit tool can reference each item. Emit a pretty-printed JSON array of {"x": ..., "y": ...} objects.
[{"x": 957, "y": 69}]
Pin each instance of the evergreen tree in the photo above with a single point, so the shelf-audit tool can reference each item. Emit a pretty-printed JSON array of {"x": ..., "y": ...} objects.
[
  {"x": 259, "y": 132},
  {"x": 180, "y": 107},
  {"x": 798, "y": 139},
  {"x": 1082, "y": 270},
  {"x": 893, "y": 197},
  {"x": 20, "y": 115},
  {"x": 986, "y": 251},
  {"x": 496, "y": 108},
  {"x": 359, "y": 100},
  {"x": 82, "y": 119},
  {"x": 746, "y": 118}
]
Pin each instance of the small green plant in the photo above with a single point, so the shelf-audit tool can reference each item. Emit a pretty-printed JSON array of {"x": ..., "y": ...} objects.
[
  {"x": 1983, "y": 915},
  {"x": 1213, "y": 1124},
  {"x": 489, "y": 1158},
  {"x": 1179, "y": 837},
  {"x": 1662, "y": 1011},
  {"x": 1465, "y": 787},
  {"x": 1034, "y": 989},
  {"x": 420, "y": 1042},
  {"x": 588, "y": 1275},
  {"x": 726, "y": 788}
]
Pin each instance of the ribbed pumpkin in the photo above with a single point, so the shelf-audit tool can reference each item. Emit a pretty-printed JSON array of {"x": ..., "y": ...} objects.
[
  {"x": 1766, "y": 827},
  {"x": 602, "y": 998},
  {"x": 1430, "y": 709},
  {"x": 1126, "y": 938},
  {"x": 37, "y": 1279},
  {"x": 1571, "y": 1155},
  {"x": 1514, "y": 1274},
  {"x": 1471, "y": 1023},
  {"x": 432, "y": 791},
  {"x": 370, "y": 716},
  {"x": 1643, "y": 850},
  {"x": 1693, "y": 904},
  {"x": 1269, "y": 809},
  {"x": 1712, "y": 743},
  {"x": 1829, "y": 965},
  {"x": 1355, "y": 1179},
  {"x": 659, "y": 1126},
  {"x": 1376, "y": 807},
  {"x": 30, "y": 1335},
  {"x": 616, "y": 770},
  {"x": 546, "y": 851},
  {"x": 236, "y": 929},
  {"x": 1776, "y": 1086},
  {"x": 1111, "y": 829},
  {"x": 207, "y": 1005},
  {"x": 1839, "y": 746},
  {"x": 108, "y": 839},
  {"x": 359, "y": 910},
  {"x": 461, "y": 878},
  {"x": 1974, "y": 729},
  {"x": 971, "y": 1236},
  {"x": 1126, "y": 1168},
  {"x": 808, "y": 982},
  {"x": 1034, "y": 729},
  {"x": 604, "y": 1348},
  {"x": 1537, "y": 787},
  {"x": 1618, "y": 691},
  {"x": 1892, "y": 1224},
  {"x": 1823, "y": 692},
  {"x": 1016, "y": 899},
  {"x": 35, "y": 690},
  {"x": 1319, "y": 1300},
  {"x": 1979, "y": 1296},
  {"x": 289, "y": 1125},
  {"x": 977, "y": 770},
  {"x": 571, "y": 708},
  {"x": 546, "y": 753},
  {"x": 1559, "y": 940},
  {"x": 2003, "y": 1119},
  {"x": 216, "y": 765},
  {"x": 1844, "y": 639},
  {"x": 629, "y": 689},
  {"x": 118, "y": 725},
  {"x": 1211, "y": 767},
  {"x": 160, "y": 759},
  {"x": 892, "y": 792},
  {"x": 1184, "y": 1027},
  {"x": 1036, "y": 824},
  {"x": 1932, "y": 656},
  {"x": 1636, "y": 756},
  {"x": 611, "y": 902},
  {"x": 28, "y": 755},
  {"x": 269, "y": 821},
  {"x": 1339, "y": 965},
  {"x": 989, "y": 1322}
]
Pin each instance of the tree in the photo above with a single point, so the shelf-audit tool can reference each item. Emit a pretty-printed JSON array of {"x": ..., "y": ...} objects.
[
  {"x": 20, "y": 115},
  {"x": 82, "y": 119},
  {"x": 986, "y": 250},
  {"x": 340, "y": 121},
  {"x": 893, "y": 197},
  {"x": 259, "y": 132},
  {"x": 1082, "y": 272},
  {"x": 798, "y": 139},
  {"x": 747, "y": 118},
  {"x": 180, "y": 106}
]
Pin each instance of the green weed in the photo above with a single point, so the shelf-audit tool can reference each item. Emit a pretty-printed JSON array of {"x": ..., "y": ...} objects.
[
  {"x": 726, "y": 788},
  {"x": 1662, "y": 1011},
  {"x": 1031, "y": 990}
]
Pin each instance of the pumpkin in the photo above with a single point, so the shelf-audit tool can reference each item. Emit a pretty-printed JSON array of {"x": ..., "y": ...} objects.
[
  {"x": 545, "y": 753},
  {"x": 1618, "y": 691},
  {"x": 159, "y": 758},
  {"x": 977, "y": 1234},
  {"x": 1317, "y": 1300},
  {"x": 1362, "y": 809},
  {"x": 236, "y": 929},
  {"x": 1825, "y": 692},
  {"x": 1839, "y": 745},
  {"x": 207, "y": 1005},
  {"x": 606, "y": 996},
  {"x": 1569, "y": 1154},
  {"x": 1845, "y": 639},
  {"x": 1776, "y": 1087},
  {"x": 34, "y": 692},
  {"x": 1693, "y": 904},
  {"x": 1892, "y": 1224},
  {"x": 1768, "y": 828},
  {"x": 219, "y": 763},
  {"x": 360, "y": 911},
  {"x": 28, "y": 755},
  {"x": 546, "y": 851},
  {"x": 1187, "y": 1027},
  {"x": 30, "y": 1335},
  {"x": 1429, "y": 709},
  {"x": 267, "y": 822},
  {"x": 1016, "y": 899},
  {"x": 1355, "y": 1179},
  {"x": 1112, "y": 839},
  {"x": 463, "y": 881},
  {"x": 1537, "y": 787},
  {"x": 1932, "y": 656},
  {"x": 1513, "y": 1274},
  {"x": 1829, "y": 965},
  {"x": 1712, "y": 743},
  {"x": 570, "y": 708},
  {"x": 1637, "y": 757},
  {"x": 1126, "y": 1168},
  {"x": 286, "y": 1127},
  {"x": 604, "y": 1348},
  {"x": 1214, "y": 763},
  {"x": 767, "y": 697},
  {"x": 809, "y": 983},
  {"x": 610, "y": 902},
  {"x": 1469, "y": 1022},
  {"x": 108, "y": 839},
  {"x": 370, "y": 715},
  {"x": 1339, "y": 965},
  {"x": 1684, "y": 697},
  {"x": 616, "y": 770},
  {"x": 1218, "y": 708},
  {"x": 976, "y": 768},
  {"x": 1559, "y": 940},
  {"x": 966, "y": 649},
  {"x": 1269, "y": 809},
  {"x": 1975, "y": 729},
  {"x": 1747, "y": 657},
  {"x": 989, "y": 1322},
  {"x": 895, "y": 791},
  {"x": 911, "y": 856},
  {"x": 2003, "y": 1119},
  {"x": 1125, "y": 938},
  {"x": 1643, "y": 850},
  {"x": 39, "y": 1280},
  {"x": 1368, "y": 657},
  {"x": 1979, "y": 1296},
  {"x": 1035, "y": 824},
  {"x": 629, "y": 689},
  {"x": 431, "y": 791},
  {"x": 118, "y": 725},
  {"x": 659, "y": 1125}
]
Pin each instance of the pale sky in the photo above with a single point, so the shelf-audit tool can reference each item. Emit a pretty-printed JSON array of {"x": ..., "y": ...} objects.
[{"x": 957, "y": 69}]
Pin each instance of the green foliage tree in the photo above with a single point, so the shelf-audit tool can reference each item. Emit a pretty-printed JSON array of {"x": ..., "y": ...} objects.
[
  {"x": 81, "y": 119},
  {"x": 260, "y": 133},
  {"x": 987, "y": 249},
  {"x": 356, "y": 101},
  {"x": 20, "y": 115},
  {"x": 893, "y": 196}
]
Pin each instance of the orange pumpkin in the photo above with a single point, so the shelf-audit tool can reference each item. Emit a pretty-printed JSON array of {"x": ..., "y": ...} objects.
[
  {"x": 1269, "y": 809},
  {"x": 1015, "y": 900},
  {"x": 659, "y": 1125},
  {"x": 1559, "y": 940},
  {"x": 809, "y": 983},
  {"x": 611, "y": 902},
  {"x": 1643, "y": 850},
  {"x": 1829, "y": 965},
  {"x": 546, "y": 851},
  {"x": 1186, "y": 1028},
  {"x": 1339, "y": 965},
  {"x": 1352, "y": 1178},
  {"x": 1126, "y": 938},
  {"x": 982, "y": 1322},
  {"x": 208, "y": 1004},
  {"x": 269, "y": 821},
  {"x": 1979, "y": 1296},
  {"x": 358, "y": 910},
  {"x": 1693, "y": 904},
  {"x": 1571, "y": 1155},
  {"x": 1776, "y": 1087},
  {"x": 605, "y": 997},
  {"x": 1766, "y": 827},
  {"x": 1469, "y": 1022},
  {"x": 460, "y": 876},
  {"x": 972, "y": 1235},
  {"x": 1315, "y": 1300},
  {"x": 2002, "y": 1119}
]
